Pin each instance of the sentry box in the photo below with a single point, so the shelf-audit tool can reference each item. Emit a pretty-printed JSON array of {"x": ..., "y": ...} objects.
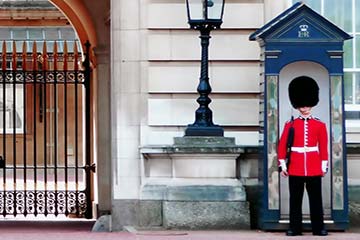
[{"x": 300, "y": 42}]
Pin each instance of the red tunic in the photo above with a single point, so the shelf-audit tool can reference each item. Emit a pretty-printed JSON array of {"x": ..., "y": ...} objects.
[{"x": 309, "y": 132}]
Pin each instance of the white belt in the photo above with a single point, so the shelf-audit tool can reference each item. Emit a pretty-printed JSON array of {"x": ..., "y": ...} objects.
[{"x": 304, "y": 149}]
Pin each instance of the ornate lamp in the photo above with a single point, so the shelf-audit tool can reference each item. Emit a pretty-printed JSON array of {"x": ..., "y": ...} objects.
[{"x": 204, "y": 15}]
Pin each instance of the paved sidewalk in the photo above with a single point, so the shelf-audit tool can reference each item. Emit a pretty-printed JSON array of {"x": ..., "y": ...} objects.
[{"x": 16, "y": 230}]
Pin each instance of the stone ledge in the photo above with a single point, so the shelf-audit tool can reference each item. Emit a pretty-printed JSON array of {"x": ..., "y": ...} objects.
[
  {"x": 202, "y": 157},
  {"x": 176, "y": 149},
  {"x": 193, "y": 145},
  {"x": 204, "y": 192},
  {"x": 204, "y": 141}
]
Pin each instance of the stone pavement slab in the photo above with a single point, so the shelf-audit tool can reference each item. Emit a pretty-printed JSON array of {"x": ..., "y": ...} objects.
[
  {"x": 19, "y": 230},
  {"x": 237, "y": 235},
  {"x": 46, "y": 234}
]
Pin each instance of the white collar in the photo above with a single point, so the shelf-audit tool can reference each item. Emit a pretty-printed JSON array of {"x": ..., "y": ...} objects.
[{"x": 306, "y": 118}]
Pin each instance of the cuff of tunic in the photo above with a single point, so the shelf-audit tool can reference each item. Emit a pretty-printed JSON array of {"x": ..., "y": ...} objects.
[
  {"x": 324, "y": 166},
  {"x": 283, "y": 164}
]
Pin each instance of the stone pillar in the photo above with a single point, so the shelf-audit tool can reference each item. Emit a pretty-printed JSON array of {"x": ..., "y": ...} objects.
[
  {"x": 100, "y": 101},
  {"x": 103, "y": 132},
  {"x": 125, "y": 108}
]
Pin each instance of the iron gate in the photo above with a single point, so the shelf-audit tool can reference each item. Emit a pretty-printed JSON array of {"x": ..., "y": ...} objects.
[{"x": 45, "y": 130}]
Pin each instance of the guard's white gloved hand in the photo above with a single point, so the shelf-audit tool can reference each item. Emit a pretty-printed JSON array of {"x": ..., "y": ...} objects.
[
  {"x": 324, "y": 166},
  {"x": 283, "y": 165}
]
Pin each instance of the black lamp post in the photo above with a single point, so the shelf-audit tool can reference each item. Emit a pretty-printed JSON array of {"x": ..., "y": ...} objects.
[{"x": 204, "y": 15}]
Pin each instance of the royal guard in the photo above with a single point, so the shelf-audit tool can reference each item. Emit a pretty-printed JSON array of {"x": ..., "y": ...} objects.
[{"x": 305, "y": 162}]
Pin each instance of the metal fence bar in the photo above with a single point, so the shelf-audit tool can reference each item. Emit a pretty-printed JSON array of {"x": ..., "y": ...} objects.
[
  {"x": 88, "y": 167},
  {"x": 35, "y": 68},
  {"x": 55, "y": 112},
  {"x": 24, "y": 68},
  {"x": 44, "y": 105},
  {"x": 4, "y": 124},
  {"x": 65, "y": 68},
  {"x": 13, "y": 76},
  {"x": 76, "y": 69}
]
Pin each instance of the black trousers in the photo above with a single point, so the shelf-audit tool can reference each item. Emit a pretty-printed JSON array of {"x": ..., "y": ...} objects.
[{"x": 313, "y": 188}]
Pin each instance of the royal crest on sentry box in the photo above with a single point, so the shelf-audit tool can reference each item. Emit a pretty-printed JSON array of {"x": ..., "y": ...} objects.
[{"x": 304, "y": 32}]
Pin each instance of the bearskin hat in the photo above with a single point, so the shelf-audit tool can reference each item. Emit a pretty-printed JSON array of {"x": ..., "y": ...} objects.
[{"x": 303, "y": 92}]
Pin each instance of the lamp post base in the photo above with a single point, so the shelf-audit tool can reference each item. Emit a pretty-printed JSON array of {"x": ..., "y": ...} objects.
[{"x": 204, "y": 131}]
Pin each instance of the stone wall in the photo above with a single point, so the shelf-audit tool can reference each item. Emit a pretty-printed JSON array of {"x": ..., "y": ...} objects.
[{"x": 155, "y": 73}]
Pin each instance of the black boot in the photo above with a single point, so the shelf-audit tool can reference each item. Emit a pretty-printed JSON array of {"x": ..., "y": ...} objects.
[
  {"x": 293, "y": 233},
  {"x": 321, "y": 233}
]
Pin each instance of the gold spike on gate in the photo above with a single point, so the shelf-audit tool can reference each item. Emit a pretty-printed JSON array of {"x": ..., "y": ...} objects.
[
  {"x": 76, "y": 57},
  {"x": 55, "y": 51},
  {"x": 34, "y": 57},
  {"x": 45, "y": 57},
  {"x": 13, "y": 56},
  {"x": 65, "y": 56},
  {"x": 24, "y": 52},
  {"x": 3, "y": 65}
]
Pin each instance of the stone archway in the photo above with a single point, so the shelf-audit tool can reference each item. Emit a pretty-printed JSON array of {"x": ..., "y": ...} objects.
[
  {"x": 77, "y": 14},
  {"x": 80, "y": 19},
  {"x": 91, "y": 21}
]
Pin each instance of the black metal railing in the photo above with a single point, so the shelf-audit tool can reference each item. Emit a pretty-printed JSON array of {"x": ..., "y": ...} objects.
[{"x": 45, "y": 135}]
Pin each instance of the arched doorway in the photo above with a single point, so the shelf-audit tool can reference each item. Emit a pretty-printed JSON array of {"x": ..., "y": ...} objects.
[
  {"x": 54, "y": 175},
  {"x": 91, "y": 20},
  {"x": 79, "y": 17}
]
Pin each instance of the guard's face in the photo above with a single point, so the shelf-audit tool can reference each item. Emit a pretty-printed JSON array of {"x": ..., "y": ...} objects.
[{"x": 305, "y": 110}]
